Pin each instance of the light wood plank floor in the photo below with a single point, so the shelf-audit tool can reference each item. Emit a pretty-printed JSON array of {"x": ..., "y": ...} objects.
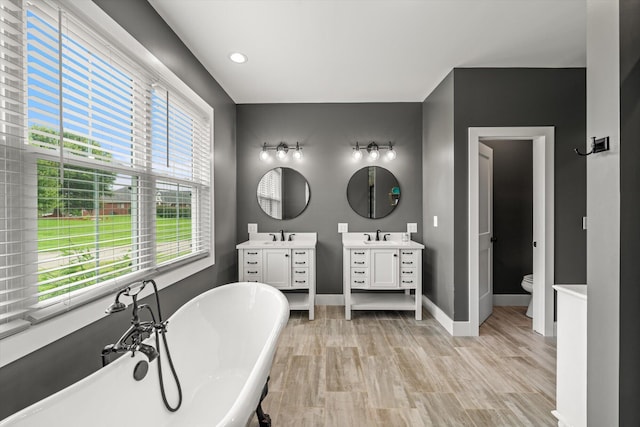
[{"x": 387, "y": 369}]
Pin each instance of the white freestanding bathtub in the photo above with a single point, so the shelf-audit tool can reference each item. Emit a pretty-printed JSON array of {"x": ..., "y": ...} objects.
[{"x": 222, "y": 343}]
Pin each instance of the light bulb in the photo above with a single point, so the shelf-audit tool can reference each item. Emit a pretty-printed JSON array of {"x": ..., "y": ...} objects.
[
  {"x": 282, "y": 154},
  {"x": 357, "y": 154},
  {"x": 374, "y": 153},
  {"x": 264, "y": 154},
  {"x": 391, "y": 154},
  {"x": 298, "y": 153}
]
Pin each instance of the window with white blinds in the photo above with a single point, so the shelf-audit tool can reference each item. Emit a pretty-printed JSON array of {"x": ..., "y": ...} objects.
[{"x": 105, "y": 169}]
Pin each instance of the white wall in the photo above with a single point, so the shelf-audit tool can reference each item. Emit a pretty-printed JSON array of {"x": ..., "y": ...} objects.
[{"x": 603, "y": 212}]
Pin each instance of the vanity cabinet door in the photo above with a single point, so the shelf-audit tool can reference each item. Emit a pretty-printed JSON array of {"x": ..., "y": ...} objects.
[
  {"x": 277, "y": 267},
  {"x": 384, "y": 268}
]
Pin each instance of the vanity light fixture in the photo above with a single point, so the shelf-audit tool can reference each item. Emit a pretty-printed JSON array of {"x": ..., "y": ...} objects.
[
  {"x": 374, "y": 151},
  {"x": 282, "y": 151}
]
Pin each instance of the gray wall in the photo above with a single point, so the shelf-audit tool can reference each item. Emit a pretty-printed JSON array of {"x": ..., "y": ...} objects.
[
  {"x": 499, "y": 97},
  {"x": 77, "y": 355},
  {"x": 512, "y": 214},
  {"x": 327, "y": 132},
  {"x": 438, "y": 184},
  {"x": 629, "y": 208}
]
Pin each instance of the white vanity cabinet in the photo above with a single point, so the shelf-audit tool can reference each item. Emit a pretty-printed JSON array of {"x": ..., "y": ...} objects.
[
  {"x": 286, "y": 265},
  {"x": 370, "y": 266}
]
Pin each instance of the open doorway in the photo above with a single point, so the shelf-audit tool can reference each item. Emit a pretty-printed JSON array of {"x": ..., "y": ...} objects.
[{"x": 543, "y": 223}]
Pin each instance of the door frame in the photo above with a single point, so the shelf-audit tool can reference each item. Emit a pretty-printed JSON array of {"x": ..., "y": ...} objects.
[{"x": 543, "y": 138}]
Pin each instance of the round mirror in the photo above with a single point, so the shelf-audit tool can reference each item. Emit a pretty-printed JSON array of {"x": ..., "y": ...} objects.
[
  {"x": 373, "y": 192},
  {"x": 283, "y": 193}
]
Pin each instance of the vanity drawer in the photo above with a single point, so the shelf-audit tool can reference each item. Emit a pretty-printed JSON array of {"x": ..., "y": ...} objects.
[
  {"x": 253, "y": 274},
  {"x": 359, "y": 273},
  {"x": 300, "y": 257},
  {"x": 409, "y": 258},
  {"x": 300, "y": 277},
  {"x": 252, "y": 257},
  {"x": 408, "y": 283},
  {"x": 359, "y": 258},
  {"x": 408, "y": 273},
  {"x": 359, "y": 282}
]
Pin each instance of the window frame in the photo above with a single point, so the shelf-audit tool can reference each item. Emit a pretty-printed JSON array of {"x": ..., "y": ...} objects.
[{"x": 41, "y": 334}]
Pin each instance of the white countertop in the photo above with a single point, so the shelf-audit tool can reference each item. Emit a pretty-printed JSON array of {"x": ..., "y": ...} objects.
[
  {"x": 263, "y": 244},
  {"x": 579, "y": 291},
  {"x": 265, "y": 241},
  {"x": 355, "y": 244}
]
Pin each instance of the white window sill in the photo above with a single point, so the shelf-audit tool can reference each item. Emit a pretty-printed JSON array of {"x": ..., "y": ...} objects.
[{"x": 40, "y": 335}]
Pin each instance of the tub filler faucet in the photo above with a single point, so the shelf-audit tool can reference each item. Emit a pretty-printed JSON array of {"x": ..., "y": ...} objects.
[{"x": 132, "y": 339}]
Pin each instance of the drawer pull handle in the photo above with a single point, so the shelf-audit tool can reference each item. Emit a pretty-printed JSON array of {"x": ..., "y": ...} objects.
[
  {"x": 252, "y": 272},
  {"x": 407, "y": 262},
  {"x": 358, "y": 262},
  {"x": 300, "y": 253},
  {"x": 299, "y": 272},
  {"x": 359, "y": 272},
  {"x": 407, "y": 253},
  {"x": 300, "y": 262},
  {"x": 252, "y": 262},
  {"x": 301, "y": 281},
  {"x": 359, "y": 281},
  {"x": 252, "y": 253},
  {"x": 359, "y": 253},
  {"x": 407, "y": 281},
  {"x": 407, "y": 272}
]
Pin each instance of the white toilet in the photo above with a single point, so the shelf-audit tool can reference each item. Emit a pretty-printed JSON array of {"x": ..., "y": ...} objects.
[{"x": 527, "y": 285}]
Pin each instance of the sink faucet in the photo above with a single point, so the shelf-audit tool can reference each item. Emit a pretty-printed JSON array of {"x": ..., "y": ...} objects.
[
  {"x": 385, "y": 237},
  {"x": 368, "y": 236},
  {"x": 378, "y": 235},
  {"x": 290, "y": 236},
  {"x": 282, "y": 235},
  {"x": 273, "y": 237}
]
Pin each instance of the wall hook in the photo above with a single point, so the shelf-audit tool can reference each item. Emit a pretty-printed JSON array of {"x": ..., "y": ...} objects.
[{"x": 597, "y": 146}]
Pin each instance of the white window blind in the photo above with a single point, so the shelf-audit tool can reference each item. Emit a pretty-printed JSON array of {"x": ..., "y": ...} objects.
[
  {"x": 105, "y": 168},
  {"x": 270, "y": 193}
]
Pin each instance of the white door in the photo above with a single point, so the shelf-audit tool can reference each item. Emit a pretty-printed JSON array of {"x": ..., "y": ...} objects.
[
  {"x": 277, "y": 267},
  {"x": 485, "y": 228},
  {"x": 384, "y": 268}
]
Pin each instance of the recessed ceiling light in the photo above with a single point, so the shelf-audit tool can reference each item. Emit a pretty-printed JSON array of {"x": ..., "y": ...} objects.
[{"x": 238, "y": 58}]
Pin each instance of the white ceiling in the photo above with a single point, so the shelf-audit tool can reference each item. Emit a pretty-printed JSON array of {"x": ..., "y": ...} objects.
[{"x": 370, "y": 51}]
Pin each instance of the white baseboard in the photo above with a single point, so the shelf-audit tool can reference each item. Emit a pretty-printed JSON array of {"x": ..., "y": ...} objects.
[
  {"x": 438, "y": 314},
  {"x": 455, "y": 328},
  {"x": 521, "y": 300},
  {"x": 330, "y": 299}
]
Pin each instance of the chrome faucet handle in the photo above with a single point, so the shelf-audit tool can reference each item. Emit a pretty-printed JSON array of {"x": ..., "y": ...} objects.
[
  {"x": 273, "y": 237},
  {"x": 368, "y": 236},
  {"x": 290, "y": 235},
  {"x": 385, "y": 236}
]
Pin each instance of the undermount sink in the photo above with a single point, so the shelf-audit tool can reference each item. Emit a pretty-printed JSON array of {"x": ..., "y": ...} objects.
[
  {"x": 380, "y": 242},
  {"x": 276, "y": 243}
]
